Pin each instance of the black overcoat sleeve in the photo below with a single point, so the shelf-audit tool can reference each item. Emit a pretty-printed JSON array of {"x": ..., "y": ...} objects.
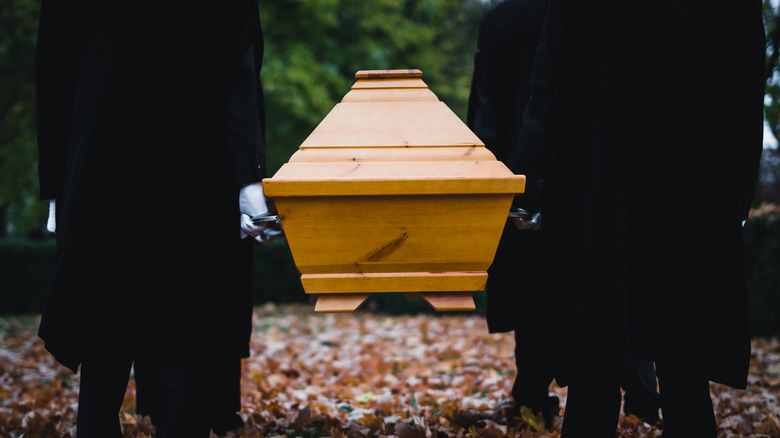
[
  {"x": 533, "y": 149},
  {"x": 51, "y": 75},
  {"x": 246, "y": 107},
  {"x": 483, "y": 105},
  {"x": 747, "y": 69}
]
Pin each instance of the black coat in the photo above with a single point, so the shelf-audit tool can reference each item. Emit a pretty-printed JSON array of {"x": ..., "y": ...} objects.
[
  {"x": 149, "y": 121},
  {"x": 648, "y": 122},
  {"x": 500, "y": 86}
]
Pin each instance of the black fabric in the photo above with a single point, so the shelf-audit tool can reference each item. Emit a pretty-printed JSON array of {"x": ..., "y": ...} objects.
[
  {"x": 178, "y": 399},
  {"x": 593, "y": 404},
  {"x": 149, "y": 121},
  {"x": 641, "y": 397},
  {"x": 217, "y": 382},
  {"x": 506, "y": 44},
  {"x": 225, "y": 388},
  {"x": 648, "y": 143},
  {"x": 508, "y": 36},
  {"x": 531, "y": 387},
  {"x": 102, "y": 388},
  {"x": 685, "y": 401},
  {"x": 506, "y": 48},
  {"x": 592, "y": 408},
  {"x": 150, "y": 118},
  {"x": 512, "y": 301}
]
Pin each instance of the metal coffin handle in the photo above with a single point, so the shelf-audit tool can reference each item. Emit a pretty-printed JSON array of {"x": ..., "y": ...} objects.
[{"x": 265, "y": 218}]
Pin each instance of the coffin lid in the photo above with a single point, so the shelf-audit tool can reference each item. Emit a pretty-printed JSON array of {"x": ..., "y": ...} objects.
[{"x": 391, "y": 135}]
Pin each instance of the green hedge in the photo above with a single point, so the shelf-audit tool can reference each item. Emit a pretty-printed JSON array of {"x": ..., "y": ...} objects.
[
  {"x": 24, "y": 273},
  {"x": 24, "y": 276},
  {"x": 762, "y": 260},
  {"x": 25, "y": 266},
  {"x": 275, "y": 278}
]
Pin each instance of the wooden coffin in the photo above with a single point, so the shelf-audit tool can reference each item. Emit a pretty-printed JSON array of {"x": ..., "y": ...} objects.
[{"x": 392, "y": 193}]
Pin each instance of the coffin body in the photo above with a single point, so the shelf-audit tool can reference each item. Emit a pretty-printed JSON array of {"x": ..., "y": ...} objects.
[{"x": 392, "y": 193}]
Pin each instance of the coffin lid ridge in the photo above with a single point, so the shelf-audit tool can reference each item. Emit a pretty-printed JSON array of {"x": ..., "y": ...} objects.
[{"x": 392, "y": 110}]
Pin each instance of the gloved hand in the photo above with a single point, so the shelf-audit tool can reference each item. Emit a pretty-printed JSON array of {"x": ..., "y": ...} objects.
[
  {"x": 248, "y": 228},
  {"x": 251, "y": 202},
  {"x": 51, "y": 223},
  {"x": 266, "y": 237}
]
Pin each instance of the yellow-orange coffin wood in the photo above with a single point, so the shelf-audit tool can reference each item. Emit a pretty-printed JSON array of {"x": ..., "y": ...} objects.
[{"x": 392, "y": 193}]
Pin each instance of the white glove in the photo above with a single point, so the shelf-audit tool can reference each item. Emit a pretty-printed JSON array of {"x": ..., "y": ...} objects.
[
  {"x": 51, "y": 223},
  {"x": 255, "y": 231},
  {"x": 264, "y": 239},
  {"x": 251, "y": 202}
]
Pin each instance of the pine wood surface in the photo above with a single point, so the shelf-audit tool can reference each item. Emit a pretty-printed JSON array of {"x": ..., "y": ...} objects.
[
  {"x": 359, "y": 155},
  {"x": 339, "y": 302},
  {"x": 390, "y": 95},
  {"x": 445, "y": 301},
  {"x": 392, "y": 178},
  {"x": 390, "y": 83},
  {"x": 391, "y": 124},
  {"x": 392, "y": 193},
  {"x": 445, "y": 233},
  {"x": 393, "y": 282},
  {"x": 389, "y": 74}
]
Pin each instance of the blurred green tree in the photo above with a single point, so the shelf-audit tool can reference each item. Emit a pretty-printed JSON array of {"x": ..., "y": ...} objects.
[
  {"x": 769, "y": 178},
  {"x": 314, "y": 47},
  {"x": 20, "y": 211}
]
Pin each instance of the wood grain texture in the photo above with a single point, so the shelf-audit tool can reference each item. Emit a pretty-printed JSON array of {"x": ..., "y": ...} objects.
[
  {"x": 390, "y": 95},
  {"x": 392, "y": 192},
  {"x": 393, "y": 282},
  {"x": 383, "y": 155},
  {"x": 389, "y": 74},
  {"x": 450, "y": 301},
  {"x": 388, "y": 124},
  {"x": 375, "y": 234},
  {"x": 339, "y": 302},
  {"x": 391, "y": 83},
  {"x": 393, "y": 178}
]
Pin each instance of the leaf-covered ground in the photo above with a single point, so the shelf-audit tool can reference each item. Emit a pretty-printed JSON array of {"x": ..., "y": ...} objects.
[{"x": 363, "y": 375}]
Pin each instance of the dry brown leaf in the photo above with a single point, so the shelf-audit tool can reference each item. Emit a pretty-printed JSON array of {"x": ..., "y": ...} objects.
[{"x": 359, "y": 374}]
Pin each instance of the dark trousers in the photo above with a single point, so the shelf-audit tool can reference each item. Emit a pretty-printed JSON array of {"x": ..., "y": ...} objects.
[
  {"x": 180, "y": 406},
  {"x": 641, "y": 391},
  {"x": 102, "y": 389},
  {"x": 160, "y": 395},
  {"x": 593, "y": 406},
  {"x": 685, "y": 401},
  {"x": 531, "y": 387},
  {"x": 534, "y": 376},
  {"x": 177, "y": 397}
]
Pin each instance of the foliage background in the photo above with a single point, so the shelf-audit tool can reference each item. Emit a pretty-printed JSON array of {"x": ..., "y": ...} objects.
[
  {"x": 20, "y": 211},
  {"x": 314, "y": 47}
]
